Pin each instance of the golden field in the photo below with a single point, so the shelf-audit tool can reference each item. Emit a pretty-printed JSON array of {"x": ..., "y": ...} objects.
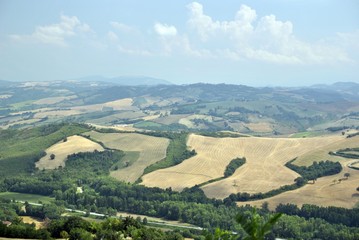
[
  {"x": 263, "y": 171},
  {"x": 151, "y": 149},
  {"x": 74, "y": 144}
]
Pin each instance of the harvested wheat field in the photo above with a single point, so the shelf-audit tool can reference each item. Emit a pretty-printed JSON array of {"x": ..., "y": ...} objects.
[
  {"x": 151, "y": 150},
  {"x": 170, "y": 119},
  {"x": 56, "y": 113},
  {"x": 263, "y": 171},
  {"x": 326, "y": 191},
  {"x": 319, "y": 154},
  {"x": 74, "y": 144},
  {"x": 260, "y": 127},
  {"x": 53, "y": 100},
  {"x": 121, "y": 104},
  {"x": 119, "y": 127}
]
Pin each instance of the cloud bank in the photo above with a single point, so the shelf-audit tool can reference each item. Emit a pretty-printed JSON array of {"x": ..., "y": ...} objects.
[
  {"x": 245, "y": 37},
  {"x": 56, "y": 34}
]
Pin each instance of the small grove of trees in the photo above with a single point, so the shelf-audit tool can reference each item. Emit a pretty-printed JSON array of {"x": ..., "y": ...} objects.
[
  {"x": 52, "y": 156},
  {"x": 176, "y": 152},
  {"x": 316, "y": 170},
  {"x": 233, "y": 166}
]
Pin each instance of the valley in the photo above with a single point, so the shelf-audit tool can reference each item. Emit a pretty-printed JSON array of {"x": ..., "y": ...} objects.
[{"x": 169, "y": 151}]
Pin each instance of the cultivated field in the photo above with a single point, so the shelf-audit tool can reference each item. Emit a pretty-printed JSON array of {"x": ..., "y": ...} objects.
[
  {"x": 318, "y": 154},
  {"x": 170, "y": 119},
  {"x": 22, "y": 122},
  {"x": 326, "y": 191},
  {"x": 57, "y": 113},
  {"x": 53, "y": 100},
  {"x": 74, "y": 144},
  {"x": 121, "y": 104},
  {"x": 151, "y": 150},
  {"x": 263, "y": 171},
  {"x": 34, "y": 198},
  {"x": 260, "y": 127},
  {"x": 117, "y": 117},
  {"x": 5, "y": 96},
  {"x": 188, "y": 121},
  {"x": 120, "y": 127}
]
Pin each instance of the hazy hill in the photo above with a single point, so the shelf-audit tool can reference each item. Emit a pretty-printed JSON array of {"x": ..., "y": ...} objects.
[
  {"x": 209, "y": 107},
  {"x": 4, "y": 83},
  {"x": 126, "y": 80}
]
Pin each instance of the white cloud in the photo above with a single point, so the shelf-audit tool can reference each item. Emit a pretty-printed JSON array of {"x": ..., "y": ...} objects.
[
  {"x": 122, "y": 27},
  {"x": 165, "y": 30},
  {"x": 132, "y": 51},
  {"x": 112, "y": 36},
  {"x": 56, "y": 34},
  {"x": 265, "y": 39},
  {"x": 349, "y": 40}
]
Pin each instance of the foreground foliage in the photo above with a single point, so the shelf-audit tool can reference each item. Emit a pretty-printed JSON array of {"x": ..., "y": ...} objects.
[{"x": 255, "y": 227}]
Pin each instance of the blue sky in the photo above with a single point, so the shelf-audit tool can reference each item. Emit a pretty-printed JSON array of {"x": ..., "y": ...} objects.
[{"x": 257, "y": 43}]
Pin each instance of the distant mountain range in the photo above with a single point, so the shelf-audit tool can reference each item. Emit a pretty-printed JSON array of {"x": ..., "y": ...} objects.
[
  {"x": 4, "y": 83},
  {"x": 127, "y": 80},
  {"x": 351, "y": 88}
]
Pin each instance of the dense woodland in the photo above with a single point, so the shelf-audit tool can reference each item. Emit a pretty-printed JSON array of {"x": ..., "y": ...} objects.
[{"x": 104, "y": 194}]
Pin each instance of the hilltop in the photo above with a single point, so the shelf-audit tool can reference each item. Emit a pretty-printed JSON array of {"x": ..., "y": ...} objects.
[{"x": 196, "y": 107}]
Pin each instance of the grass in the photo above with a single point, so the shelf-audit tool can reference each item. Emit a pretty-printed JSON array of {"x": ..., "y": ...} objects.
[
  {"x": 129, "y": 158},
  {"x": 26, "y": 197},
  {"x": 306, "y": 134}
]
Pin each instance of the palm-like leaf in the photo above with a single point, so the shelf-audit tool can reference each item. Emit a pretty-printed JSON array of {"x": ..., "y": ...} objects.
[{"x": 254, "y": 226}]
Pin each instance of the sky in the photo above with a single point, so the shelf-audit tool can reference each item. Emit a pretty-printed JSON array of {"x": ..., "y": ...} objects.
[{"x": 255, "y": 43}]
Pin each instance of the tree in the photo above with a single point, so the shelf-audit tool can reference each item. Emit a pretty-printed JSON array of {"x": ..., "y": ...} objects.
[
  {"x": 347, "y": 175},
  {"x": 64, "y": 234},
  {"x": 256, "y": 227},
  {"x": 79, "y": 233},
  {"x": 52, "y": 156},
  {"x": 265, "y": 206}
]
